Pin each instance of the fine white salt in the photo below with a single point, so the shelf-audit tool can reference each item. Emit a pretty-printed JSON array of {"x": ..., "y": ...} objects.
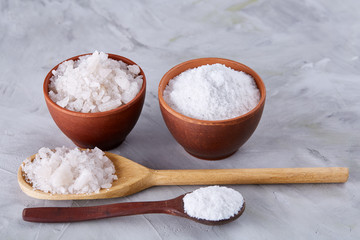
[
  {"x": 212, "y": 92},
  {"x": 69, "y": 171},
  {"x": 213, "y": 203},
  {"x": 94, "y": 83}
]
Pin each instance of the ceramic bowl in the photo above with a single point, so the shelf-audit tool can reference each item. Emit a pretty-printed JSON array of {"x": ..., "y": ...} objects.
[
  {"x": 105, "y": 130},
  {"x": 211, "y": 140}
]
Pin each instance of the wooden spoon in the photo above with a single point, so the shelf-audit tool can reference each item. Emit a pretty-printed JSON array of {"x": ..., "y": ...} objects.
[
  {"x": 74, "y": 214},
  {"x": 133, "y": 177}
]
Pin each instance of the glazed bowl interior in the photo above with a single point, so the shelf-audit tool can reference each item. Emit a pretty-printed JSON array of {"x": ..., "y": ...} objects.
[
  {"x": 105, "y": 130},
  {"x": 201, "y": 138}
]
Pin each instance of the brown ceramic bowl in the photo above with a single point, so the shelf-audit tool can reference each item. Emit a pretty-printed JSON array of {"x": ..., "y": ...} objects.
[
  {"x": 105, "y": 130},
  {"x": 211, "y": 140}
]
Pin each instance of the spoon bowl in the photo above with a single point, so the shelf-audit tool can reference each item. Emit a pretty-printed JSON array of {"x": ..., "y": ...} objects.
[
  {"x": 133, "y": 178},
  {"x": 173, "y": 207}
]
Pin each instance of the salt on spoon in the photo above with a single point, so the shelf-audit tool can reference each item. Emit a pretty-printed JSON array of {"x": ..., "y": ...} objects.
[
  {"x": 69, "y": 171},
  {"x": 217, "y": 205},
  {"x": 213, "y": 203},
  {"x": 133, "y": 178}
]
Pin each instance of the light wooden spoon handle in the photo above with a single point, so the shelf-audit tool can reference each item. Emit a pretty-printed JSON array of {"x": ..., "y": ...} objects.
[{"x": 251, "y": 176}]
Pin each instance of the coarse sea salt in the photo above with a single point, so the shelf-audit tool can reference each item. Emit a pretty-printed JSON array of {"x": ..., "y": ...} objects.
[
  {"x": 69, "y": 171},
  {"x": 94, "y": 83},
  {"x": 212, "y": 92},
  {"x": 213, "y": 203}
]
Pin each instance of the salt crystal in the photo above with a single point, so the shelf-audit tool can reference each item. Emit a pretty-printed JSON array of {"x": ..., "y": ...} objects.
[
  {"x": 69, "y": 171},
  {"x": 94, "y": 83},
  {"x": 212, "y": 92},
  {"x": 134, "y": 69},
  {"x": 213, "y": 203}
]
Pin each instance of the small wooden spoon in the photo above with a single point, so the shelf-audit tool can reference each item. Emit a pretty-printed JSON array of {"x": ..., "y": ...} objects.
[
  {"x": 75, "y": 214},
  {"x": 133, "y": 178}
]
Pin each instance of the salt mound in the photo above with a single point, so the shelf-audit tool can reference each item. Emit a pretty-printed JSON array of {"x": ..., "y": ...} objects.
[
  {"x": 212, "y": 92},
  {"x": 213, "y": 203},
  {"x": 69, "y": 171},
  {"x": 94, "y": 83}
]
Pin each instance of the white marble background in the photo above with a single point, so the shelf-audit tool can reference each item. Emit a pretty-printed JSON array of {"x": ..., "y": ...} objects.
[{"x": 307, "y": 53}]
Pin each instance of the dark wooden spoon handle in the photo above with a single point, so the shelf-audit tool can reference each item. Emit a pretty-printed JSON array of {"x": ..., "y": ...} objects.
[{"x": 74, "y": 214}]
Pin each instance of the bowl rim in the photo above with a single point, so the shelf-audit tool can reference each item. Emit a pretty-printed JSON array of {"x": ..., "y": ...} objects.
[
  {"x": 211, "y": 60},
  {"x": 96, "y": 114}
]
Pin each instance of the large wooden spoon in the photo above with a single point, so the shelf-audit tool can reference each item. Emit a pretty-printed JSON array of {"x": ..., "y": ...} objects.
[
  {"x": 74, "y": 214},
  {"x": 133, "y": 178}
]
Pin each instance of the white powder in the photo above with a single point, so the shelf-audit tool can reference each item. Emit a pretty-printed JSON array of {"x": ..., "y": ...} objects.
[
  {"x": 94, "y": 83},
  {"x": 69, "y": 171},
  {"x": 213, "y": 203},
  {"x": 212, "y": 92}
]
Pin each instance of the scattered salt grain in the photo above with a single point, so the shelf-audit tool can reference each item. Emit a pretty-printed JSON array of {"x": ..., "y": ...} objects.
[
  {"x": 212, "y": 92},
  {"x": 94, "y": 83},
  {"x": 213, "y": 203},
  {"x": 69, "y": 171}
]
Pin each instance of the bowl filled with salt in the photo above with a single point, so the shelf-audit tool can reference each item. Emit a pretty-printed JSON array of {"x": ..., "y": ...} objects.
[
  {"x": 95, "y": 99},
  {"x": 211, "y": 105}
]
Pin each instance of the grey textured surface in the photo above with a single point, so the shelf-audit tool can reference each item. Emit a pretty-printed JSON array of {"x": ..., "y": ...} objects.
[{"x": 307, "y": 53}]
